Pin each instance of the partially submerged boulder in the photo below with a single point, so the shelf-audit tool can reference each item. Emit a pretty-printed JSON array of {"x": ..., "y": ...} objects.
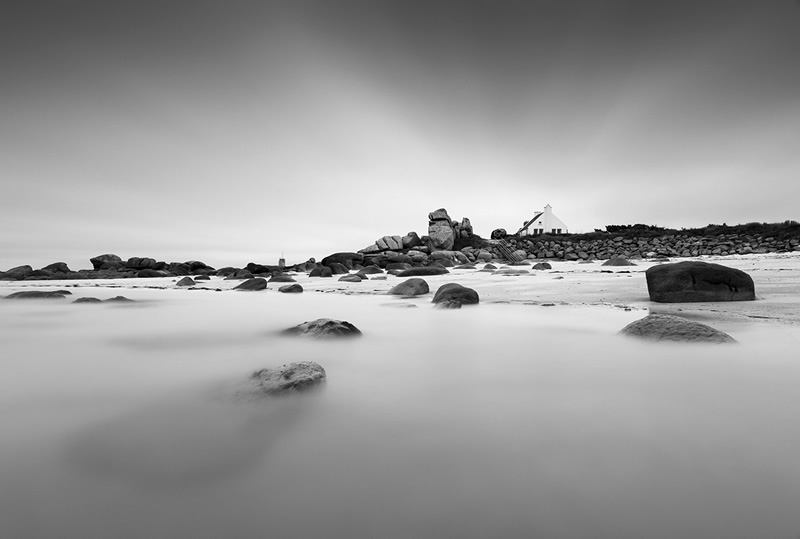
[
  {"x": 666, "y": 327},
  {"x": 693, "y": 281},
  {"x": 455, "y": 293},
  {"x": 286, "y": 379},
  {"x": 324, "y": 327},
  {"x": 618, "y": 261},
  {"x": 350, "y": 278},
  {"x": 295, "y": 288},
  {"x": 186, "y": 281},
  {"x": 39, "y": 294},
  {"x": 252, "y": 285},
  {"x": 410, "y": 287},
  {"x": 433, "y": 269}
]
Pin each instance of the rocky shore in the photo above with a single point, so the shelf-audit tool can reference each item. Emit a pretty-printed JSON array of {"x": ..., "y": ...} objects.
[{"x": 448, "y": 243}]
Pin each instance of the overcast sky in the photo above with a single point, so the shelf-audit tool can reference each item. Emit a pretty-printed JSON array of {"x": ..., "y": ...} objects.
[{"x": 234, "y": 131}]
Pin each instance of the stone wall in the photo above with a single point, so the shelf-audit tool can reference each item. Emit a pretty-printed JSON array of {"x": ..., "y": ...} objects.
[{"x": 568, "y": 248}]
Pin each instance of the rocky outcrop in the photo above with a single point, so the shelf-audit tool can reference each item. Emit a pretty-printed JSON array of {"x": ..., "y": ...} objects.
[
  {"x": 664, "y": 327},
  {"x": 286, "y": 379},
  {"x": 441, "y": 236},
  {"x": 410, "y": 287},
  {"x": 324, "y": 328},
  {"x": 107, "y": 261},
  {"x": 345, "y": 258},
  {"x": 693, "y": 281},
  {"x": 16, "y": 274},
  {"x": 452, "y": 293}
]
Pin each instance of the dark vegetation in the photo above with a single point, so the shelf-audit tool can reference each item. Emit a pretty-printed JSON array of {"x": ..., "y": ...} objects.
[{"x": 789, "y": 229}]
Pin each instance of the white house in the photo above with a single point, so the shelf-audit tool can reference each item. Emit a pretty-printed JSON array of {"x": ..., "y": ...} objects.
[{"x": 544, "y": 222}]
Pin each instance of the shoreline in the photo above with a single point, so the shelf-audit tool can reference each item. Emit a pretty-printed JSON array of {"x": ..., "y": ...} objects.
[{"x": 776, "y": 277}]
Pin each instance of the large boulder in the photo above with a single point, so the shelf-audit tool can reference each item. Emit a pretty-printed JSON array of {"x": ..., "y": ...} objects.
[
  {"x": 693, "y": 281},
  {"x": 286, "y": 379},
  {"x": 499, "y": 233},
  {"x": 665, "y": 327},
  {"x": 136, "y": 262},
  {"x": 252, "y": 285},
  {"x": 346, "y": 259},
  {"x": 57, "y": 267},
  {"x": 441, "y": 236},
  {"x": 324, "y": 328},
  {"x": 410, "y": 287},
  {"x": 452, "y": 293},
  {"x": 17, "y": 274},
  {"x": 186, "y": 281},
  {"x": 321, "y": 271},
  {"x": 107, "y": 261},
  {"x": 295, "y": 288},
  {"x": 411, "y": 240}
]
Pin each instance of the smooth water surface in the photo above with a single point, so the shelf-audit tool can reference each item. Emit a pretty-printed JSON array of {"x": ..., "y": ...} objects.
[{"x": 498, "y": 420}]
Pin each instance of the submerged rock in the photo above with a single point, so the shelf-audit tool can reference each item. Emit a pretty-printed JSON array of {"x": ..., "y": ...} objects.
[
  {"x": 38, "y": 294},
  {"x": 542, "y": 266},
  {"x": 454, "y": 292},
  {"x": 88, "y": 299},
  {"x": 433, "y": 269},
  {"x": 295, "y": 288},
  {"x": 665, "y": 327},
  {"x": 186, "y": 281},
  {"x": 286, "y": 379},
  {"x": 253, "y": 284},
  {"x": 618, "y": 261},
  {"x": 410, "y": 287},
  {"x": 324, "y": 327},
  {"x": 350, "y": 278},
  {"x": 693, "y": 281},
  {"x": 119, "y": 299}
]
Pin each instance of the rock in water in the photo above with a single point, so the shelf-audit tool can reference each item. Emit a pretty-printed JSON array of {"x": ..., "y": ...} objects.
[
  {"x": 290, "y": 378},
  {"x": 665, "y": 327},
  {"x": 291, "y": 288},
  {"x": 186, "y": 281},
  {"x": 324, "y": 327},
  {"x": 350, "y": 278},
  {"x": 455, "y": 293},
  {"x": 38, "y": 294},
  {"x": 618, "y": 261},
  {"x": 433, "y": 269},
  {"x": 410, "y": 287},
  {"x": 693, "y": 281},
  {"x": 254, "y": 284}
]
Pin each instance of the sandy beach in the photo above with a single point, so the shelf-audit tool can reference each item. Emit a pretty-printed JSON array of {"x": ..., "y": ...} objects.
[{"x": 526, "y": 415}]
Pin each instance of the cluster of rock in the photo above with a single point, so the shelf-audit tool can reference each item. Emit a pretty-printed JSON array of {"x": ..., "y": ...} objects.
[
  {"x": 566, "y": 248},
  {"x": 443, "y": 232}
]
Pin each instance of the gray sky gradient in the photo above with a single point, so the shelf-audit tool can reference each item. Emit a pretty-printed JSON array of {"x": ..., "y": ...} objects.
[{"x": 234, "y": 131}]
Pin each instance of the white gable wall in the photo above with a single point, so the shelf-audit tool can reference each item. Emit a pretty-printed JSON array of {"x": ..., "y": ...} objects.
[{"x": 547, "y": 223}]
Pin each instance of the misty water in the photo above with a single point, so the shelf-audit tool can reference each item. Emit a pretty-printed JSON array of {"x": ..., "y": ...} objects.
[{"x": 499, "y": 420}]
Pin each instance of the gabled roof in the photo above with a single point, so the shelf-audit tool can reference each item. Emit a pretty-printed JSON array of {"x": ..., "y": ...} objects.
[{"x": 529, "y": 223}]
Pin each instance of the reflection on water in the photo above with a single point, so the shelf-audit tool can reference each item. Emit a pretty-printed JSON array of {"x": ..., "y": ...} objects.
[{"x": 491, "y": 421}]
